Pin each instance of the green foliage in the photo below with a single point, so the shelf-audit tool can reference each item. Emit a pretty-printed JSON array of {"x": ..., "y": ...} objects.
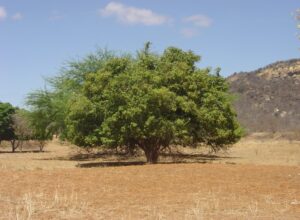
[
  {"x": 69, "y": 83},
  {"x": 21, "y": 125},
  {"x": 74, "y": 72},
  {"x": 148, "y": 101},
  {"x": 6, "y": 121},
  {"x": 14, "y": 126},
  {"x": 42, "y": 117},
  {"x": 82, "y": 122},
  {"x": 151, "y": 102},
  {"x": 52, "y": 105}
]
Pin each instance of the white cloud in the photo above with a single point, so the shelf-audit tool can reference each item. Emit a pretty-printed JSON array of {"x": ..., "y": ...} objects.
[
  {"x": 133, "y": 15},
  {"x": 3, "y": 13},
  {"x": 199, "y": 20},
  {"x": 17, "y": 16},
  {"x": 189, "y": 32}
]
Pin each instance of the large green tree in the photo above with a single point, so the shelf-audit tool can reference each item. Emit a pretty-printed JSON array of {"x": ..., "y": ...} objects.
[{"x": 152, "y": 102}]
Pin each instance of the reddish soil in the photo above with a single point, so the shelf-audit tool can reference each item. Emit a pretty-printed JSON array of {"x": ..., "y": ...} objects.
[{"x": 163, "y": 191}]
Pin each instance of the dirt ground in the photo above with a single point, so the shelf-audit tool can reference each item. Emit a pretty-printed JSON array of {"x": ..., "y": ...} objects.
[{"x": 256, "y": 179}]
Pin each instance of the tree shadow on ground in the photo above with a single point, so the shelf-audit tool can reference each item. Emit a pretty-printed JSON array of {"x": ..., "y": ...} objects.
[
  {"x": 92, "y": 156},
  {"x": 178, "y": 155},
  {"x": 22, "y": 152},
  {"x": 110, "y": 164},
  {"x": 172, "y": 158},
  {"x": 104, "y": 155}
]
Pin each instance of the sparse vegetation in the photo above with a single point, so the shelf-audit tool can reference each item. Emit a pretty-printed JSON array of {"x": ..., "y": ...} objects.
[
  {"x": 268, "y": 99},
  {"x": 49, "y": 186},
  {"x": 21, "y": 128}
]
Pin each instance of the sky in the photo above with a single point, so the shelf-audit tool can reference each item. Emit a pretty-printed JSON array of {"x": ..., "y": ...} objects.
[{"x": 38, "y": 37}]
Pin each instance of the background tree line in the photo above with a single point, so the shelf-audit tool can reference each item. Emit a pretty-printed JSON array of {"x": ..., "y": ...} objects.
[{"x": 19, "y": 125}]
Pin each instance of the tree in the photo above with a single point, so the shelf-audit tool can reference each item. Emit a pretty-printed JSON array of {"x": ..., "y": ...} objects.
[
  {"x": 152, "y": 102},
  {"x": 21, "y": 128},
  {"x": 49, "y": 106},
  {"x": 6, "y": 122},
  {"x": 41, "y": 116},
  {"x": 14, "y": 126}
]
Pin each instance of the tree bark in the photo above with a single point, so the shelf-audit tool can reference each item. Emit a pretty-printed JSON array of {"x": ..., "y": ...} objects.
[
  {"x": 14, "y": 145},
  {"x": 21, "y": 146},
  {"x": 152, "y": 154},
  {"x": 41, "y": 145}
]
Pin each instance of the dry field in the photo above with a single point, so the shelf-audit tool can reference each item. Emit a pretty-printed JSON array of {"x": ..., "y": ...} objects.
[{"x": 258, "y": 178}]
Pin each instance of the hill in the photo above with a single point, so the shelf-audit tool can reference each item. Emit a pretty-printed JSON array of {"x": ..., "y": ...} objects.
[{"x": 268, "y": 99}]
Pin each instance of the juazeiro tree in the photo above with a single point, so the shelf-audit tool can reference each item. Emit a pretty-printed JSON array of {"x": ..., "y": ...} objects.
[{"x": 152, "y": 102}]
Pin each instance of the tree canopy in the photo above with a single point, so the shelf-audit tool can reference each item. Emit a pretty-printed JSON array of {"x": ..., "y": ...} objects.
[
  {"x": 148, "y": 101},
  {"x": 6, "y": 121},
  {"x": 14, "y": 125}
]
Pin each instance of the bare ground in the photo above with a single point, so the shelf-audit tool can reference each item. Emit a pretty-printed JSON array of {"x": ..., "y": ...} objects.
[{"x": 256, "y": 179}]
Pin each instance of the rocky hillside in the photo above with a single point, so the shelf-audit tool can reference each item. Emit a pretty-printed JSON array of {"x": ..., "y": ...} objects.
[{"x": 268, "y": 99}]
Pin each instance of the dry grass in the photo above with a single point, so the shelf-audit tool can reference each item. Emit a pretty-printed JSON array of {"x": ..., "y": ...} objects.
[
  {"x": 55, "y": 156},
  {"x": 35, "y": 205},
  {"x": 257, "y": 149},
  {"x": 173, "y": 191},
  {"x": 256, "y": 179}
]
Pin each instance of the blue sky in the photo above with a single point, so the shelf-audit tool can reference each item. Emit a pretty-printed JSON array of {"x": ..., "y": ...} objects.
[{"x": 37, "y": 37}]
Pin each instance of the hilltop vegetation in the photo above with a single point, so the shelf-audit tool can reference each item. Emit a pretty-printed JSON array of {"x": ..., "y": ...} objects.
[{"x": 268, "y": 99}]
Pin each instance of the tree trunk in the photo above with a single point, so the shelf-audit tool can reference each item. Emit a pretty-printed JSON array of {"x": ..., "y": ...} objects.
[
  {"x": 42, "y": 145},
  {"x": 13, "y": 148},
  {"x": 21, "y": 146},
  {"x": 152, "y": 154},
  {"x": 14, "y": 145}
]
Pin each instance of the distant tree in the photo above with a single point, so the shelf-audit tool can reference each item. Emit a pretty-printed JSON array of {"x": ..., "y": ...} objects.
[
  {"x": 22, "y": 129},
  {"x": 152, "y": 102},
  {"x": 14, "y": 125},
  {"x": 6, "y": 122},
  {"x": 41, "y": 117}
]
